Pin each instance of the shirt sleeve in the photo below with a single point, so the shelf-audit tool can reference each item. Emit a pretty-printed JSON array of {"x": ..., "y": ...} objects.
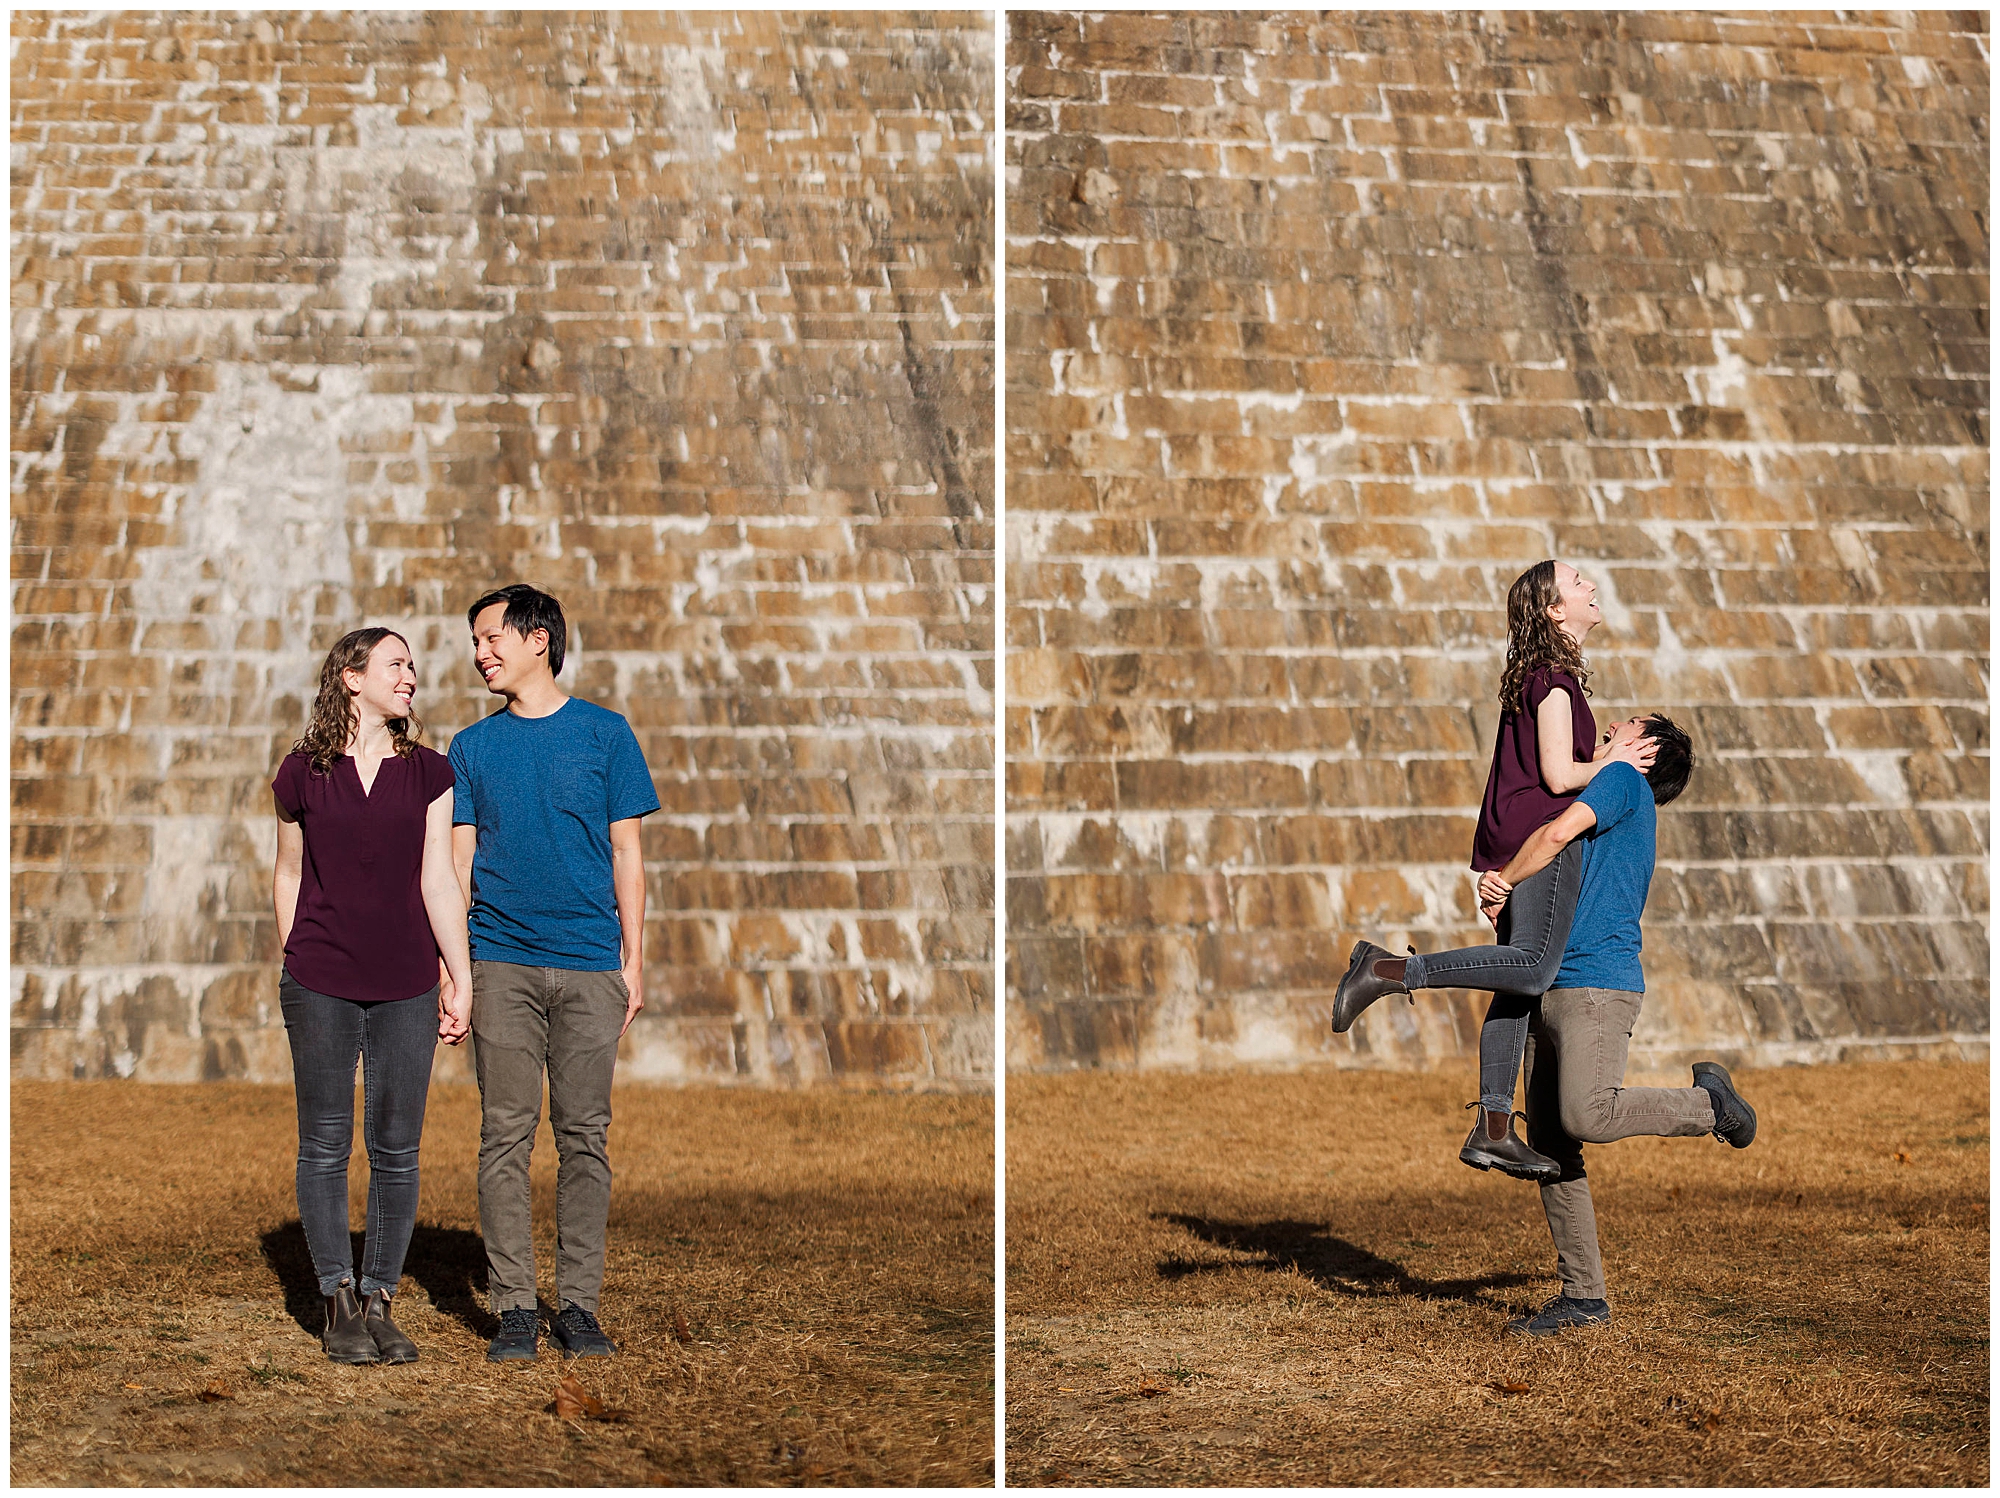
[
  {"x": 285, "y": 785},
  {"x": 1613, "y": 793},
  {"x": 439, "y": 776},
  {"x": 1538, "y": 685},
  {"x": 632, "y": 793},
  {"x": 1546, "y": 682},
  {"x": 463, "y": 811}
]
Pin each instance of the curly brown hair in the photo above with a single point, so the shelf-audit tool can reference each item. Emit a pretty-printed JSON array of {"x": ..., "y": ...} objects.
[
  {"x": 333, "y": 719},
  {"x": 1533, "y": 638}
]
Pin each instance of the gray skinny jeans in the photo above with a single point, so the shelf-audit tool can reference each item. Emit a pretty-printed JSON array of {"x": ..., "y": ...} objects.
[
  {"x": 394, "y": 1042},
  {"x": 1534, "y": 928},
  {"x": 1577, "y": 1046}
]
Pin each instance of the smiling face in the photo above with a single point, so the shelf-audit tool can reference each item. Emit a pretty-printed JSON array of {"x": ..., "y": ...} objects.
[
  {"x": 503, "y": 656},
  {"x": 388, "y": 684},
  {"x": 1576, "y": 613}
]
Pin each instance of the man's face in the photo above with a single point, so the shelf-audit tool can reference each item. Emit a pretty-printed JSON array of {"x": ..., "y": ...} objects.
[
  {"x": 1627, "y": 731},
  {"x": 504, "y": 657}
]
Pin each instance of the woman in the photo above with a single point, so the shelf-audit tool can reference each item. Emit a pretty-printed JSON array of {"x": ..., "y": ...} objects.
[
  {"x": 1543, "y": 755},
  {"x": 376, "y": 967}
]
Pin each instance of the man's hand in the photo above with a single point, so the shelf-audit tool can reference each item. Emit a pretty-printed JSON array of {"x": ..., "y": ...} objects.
[
  {"x": 635, "y": 996},
  {"x": 1493, "y": 890}
]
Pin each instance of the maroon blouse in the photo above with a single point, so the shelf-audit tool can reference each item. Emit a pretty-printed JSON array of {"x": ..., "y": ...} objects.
[
  {"x": 1516, "y": 801},
  {"x": 361, "y": 932}
]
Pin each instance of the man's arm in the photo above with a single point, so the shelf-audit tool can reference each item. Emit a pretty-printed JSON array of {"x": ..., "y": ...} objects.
[
  {"x": 628, "y": 883},
  {"x": 1538, "y": 852},
  {"x": 464, "y": 844}
]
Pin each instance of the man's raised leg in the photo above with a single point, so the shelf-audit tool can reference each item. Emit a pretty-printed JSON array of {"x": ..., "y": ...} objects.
[{"x": 1593, "y": 1035}]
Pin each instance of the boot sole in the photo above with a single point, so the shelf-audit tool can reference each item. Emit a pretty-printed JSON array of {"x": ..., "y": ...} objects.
[
  {"x": 1539, "y": 1177},
  {"x": 351, "y": 1362}
]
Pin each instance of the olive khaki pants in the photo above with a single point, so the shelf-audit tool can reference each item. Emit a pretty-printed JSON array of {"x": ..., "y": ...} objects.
[
  {"x": 526, "y": 1020},
  {"x": 1577, "y": 1043}
]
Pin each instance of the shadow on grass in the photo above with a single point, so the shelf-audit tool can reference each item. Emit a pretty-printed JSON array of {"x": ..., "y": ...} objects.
[
  {"x": 1330, "y": 1262},
  {"x": 450, "y": 1264}
]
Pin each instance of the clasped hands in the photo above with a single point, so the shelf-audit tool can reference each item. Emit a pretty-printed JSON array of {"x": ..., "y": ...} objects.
[
  {"x": 1493, "y": 893},
  {"x": 454, "y": 1008},
  {"x": 455, "y": 1004}
]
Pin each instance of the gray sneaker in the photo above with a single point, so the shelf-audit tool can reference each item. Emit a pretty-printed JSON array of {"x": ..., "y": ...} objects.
[
  {"x": 1560, "y": 1315},
  {"x": 1735, "y": 1120},
  {"x": 519, "y": 1333},
  {"x": 576, "y": 1331}
]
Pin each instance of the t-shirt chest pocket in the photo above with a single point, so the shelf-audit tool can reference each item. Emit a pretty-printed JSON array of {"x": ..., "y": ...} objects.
[{"x": 578, "y": 783}]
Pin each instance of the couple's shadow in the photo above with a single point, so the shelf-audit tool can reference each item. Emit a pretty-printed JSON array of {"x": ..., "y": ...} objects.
[
  {"x": 449, "y": 1263},
  {"x": 1330, "y": 1262}
]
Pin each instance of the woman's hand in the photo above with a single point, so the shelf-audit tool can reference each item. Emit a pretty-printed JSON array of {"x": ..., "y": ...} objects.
[
  {"x": 454, "y": 1009},
  {"x": 1493, "y": 890},
  {"x": 1492, "y": 914},
  {"x": 1639, "y": 753}
]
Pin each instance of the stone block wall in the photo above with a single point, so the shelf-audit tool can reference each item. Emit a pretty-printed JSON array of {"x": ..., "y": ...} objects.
[
  {"x": 339, "y": 318},
  {"x": 1321, "y": 328}
]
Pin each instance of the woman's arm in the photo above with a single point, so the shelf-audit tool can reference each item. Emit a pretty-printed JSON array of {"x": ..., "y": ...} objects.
[
  {"x": 444, "y": 903},
  {"x": 286, "y": 873},
  {"x": 1561, "y": 771}
]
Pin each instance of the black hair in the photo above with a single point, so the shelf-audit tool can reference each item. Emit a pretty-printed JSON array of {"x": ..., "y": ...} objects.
[
  {"x": 1673, "y": 763},
  {"x": 528, "y": 609}
]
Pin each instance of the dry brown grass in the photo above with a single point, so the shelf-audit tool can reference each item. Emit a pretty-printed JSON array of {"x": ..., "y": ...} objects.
[
  {"x": 1269, "y": 1280},
  {"x": 830, "y": 1255}
]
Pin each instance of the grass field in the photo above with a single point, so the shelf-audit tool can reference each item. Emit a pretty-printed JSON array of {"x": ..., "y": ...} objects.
[
  {"x": 1265, "y": 1280},
  {"x": 802, "y": 1285}
]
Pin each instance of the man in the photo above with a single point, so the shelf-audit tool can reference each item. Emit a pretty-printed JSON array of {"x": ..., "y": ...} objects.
[
  {"x": 547, "y": 798},
  {"x": 1581, "y": 1029}
]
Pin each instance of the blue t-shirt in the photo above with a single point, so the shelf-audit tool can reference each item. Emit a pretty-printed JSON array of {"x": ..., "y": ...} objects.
[
  {"x": 543, "y": 793},
  {"x": 1603, "y": 950}
]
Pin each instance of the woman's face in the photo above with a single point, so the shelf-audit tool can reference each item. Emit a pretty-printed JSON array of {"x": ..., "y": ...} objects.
[
  {"x": 1576, "y": 611},
  {"x": 389, "y": 682}
]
